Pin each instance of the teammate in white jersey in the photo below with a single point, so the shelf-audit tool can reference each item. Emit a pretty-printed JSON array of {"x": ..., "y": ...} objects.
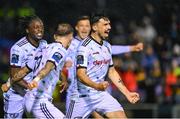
[
  {"x": 94, "y": 62},
  {"x": 21, "y": 52},
  {"x": 46, "y": 67},
  {"x": 83, "y": 29}
]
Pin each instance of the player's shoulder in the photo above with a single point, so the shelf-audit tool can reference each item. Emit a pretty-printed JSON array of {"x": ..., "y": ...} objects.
[
  {"x": 20, "y": 43},
  {"x": 42, "y": 44},
  {"x": 107, "y": 44},
  {"x": 74, "y": 43},
  {"x": 56, "y": 47},
  {"x": 86, "y": 42}
]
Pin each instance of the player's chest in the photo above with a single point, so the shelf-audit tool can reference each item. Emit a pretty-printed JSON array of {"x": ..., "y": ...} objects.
[
  {"x": 28, "y": 54},
  {"x": 100, "y": 53}
]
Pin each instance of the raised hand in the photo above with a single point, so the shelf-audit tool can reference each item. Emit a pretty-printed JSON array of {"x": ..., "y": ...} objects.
[{"x": 63, "y": 85}]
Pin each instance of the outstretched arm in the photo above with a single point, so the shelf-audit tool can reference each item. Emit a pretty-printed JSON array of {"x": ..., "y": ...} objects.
[
  {"x": 42, "y": 73},
  {"x": 118, "y": 49}
]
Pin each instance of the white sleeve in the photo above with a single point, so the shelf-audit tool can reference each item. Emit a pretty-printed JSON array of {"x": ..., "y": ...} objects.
[
  {"x": 118, "y": 49},
  {"x": 16, "y": 56},
  {"x": 82, "y": 57},
  {"x": 56, "y": 56}
]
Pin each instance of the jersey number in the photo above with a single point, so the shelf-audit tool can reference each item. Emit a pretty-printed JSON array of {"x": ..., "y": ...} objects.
[{"x": 37, "y": 62}]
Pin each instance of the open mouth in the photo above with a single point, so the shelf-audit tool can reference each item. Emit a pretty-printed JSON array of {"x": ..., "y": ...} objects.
[
  {"x": 84, "y": 33},
  {"x": 107, "y": 32},
  {"x": 39, "y": 35}
]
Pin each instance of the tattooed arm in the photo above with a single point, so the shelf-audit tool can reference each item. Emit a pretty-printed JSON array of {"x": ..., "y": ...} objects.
[
  {"x": 17, "y": 76},
  {"x": 132, "y": 97},
  {"x": 42, "y": 73},
  {"x": 116, "y": 79}
]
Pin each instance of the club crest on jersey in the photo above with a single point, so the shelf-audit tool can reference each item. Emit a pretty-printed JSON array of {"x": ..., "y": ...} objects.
[
  {"x": 57, "y": 56},
  {"x": 15, "y": 58},
  {"x": 80, "y": 59}
]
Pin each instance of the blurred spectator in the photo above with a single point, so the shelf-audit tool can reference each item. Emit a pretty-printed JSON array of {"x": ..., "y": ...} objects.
[
  {"x": 171, "y": 80},
  {"x": 119, "y": 36},
  {"x": 147, "y": 30},
  {"x": 160, "y": 46},
  {"x": 141, "y": 77},
  {"x": 149, "y": 62}
]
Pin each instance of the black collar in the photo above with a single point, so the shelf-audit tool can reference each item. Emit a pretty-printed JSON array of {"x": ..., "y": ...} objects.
[
  {"x": 101, "y": 42},
  {"x": 78, "y": 38},
  {"x": 31, "y": 42}
]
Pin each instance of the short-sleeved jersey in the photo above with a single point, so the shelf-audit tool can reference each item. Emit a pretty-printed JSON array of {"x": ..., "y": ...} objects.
[
  {"x": 72, "y": 52},
  {"x": 22, "y": 52},
  {"x": 54, "y": 53},
  {"x": 97, "y": 59}
]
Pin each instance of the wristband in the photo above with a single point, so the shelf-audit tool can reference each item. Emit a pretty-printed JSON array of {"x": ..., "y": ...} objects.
[{"x": 36, "y": 79}]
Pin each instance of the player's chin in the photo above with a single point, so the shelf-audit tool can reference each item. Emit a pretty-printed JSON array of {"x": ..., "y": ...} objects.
[
  {"x": 106, "y": 35},
  {"x": 38, "y": 37}
]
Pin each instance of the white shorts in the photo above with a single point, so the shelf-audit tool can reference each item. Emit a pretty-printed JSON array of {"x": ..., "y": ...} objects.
[
  {"x": 85, "y": 105},
  {"x": 70, "y": 96},
  {"x": 68, "y": 100},
  {"x": 41, "y": 107},
  {"x": 13, "y": 105}
]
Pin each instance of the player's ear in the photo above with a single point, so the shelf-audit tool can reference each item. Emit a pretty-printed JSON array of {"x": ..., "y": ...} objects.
[
  {"x": 27, "y": 31},
  {"x": 55, "y": 36},
  {"x": 76, "y": 28},
  {"x": 94, "y": 27}
]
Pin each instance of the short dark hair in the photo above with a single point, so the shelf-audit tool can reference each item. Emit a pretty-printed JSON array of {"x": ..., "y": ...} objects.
[
  {"x": 83, "y": 17},
  {"x": 25, "y": 21},
  {"x": 63, "y": 29},
  {"x": 95, "y": 17}
]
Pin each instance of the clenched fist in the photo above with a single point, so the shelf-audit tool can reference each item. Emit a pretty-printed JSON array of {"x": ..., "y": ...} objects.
[{"x": 102, "y": 86}]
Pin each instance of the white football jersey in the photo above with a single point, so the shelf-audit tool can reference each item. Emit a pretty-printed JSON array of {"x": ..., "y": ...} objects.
[
  {"x": 22, "y": 52},
  {"x": 97, "y": 59},
  {"x": 72, "y": 52},
  {"x": 54, "y": 53}
]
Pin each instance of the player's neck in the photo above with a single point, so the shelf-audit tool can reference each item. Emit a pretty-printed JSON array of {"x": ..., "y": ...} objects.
[
  {"x": 32, "y": 41},
  {"x": 63, "y": 41},
  {"x": 96, "y": 37}
]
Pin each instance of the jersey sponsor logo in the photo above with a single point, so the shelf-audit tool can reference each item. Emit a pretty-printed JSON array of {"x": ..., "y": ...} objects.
[
  {"x": 80, "y": 59},
  {"x": 57, "y": 57},
  {"x": 15, "y": 58},
  {"x": 99, "y": 62}
]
